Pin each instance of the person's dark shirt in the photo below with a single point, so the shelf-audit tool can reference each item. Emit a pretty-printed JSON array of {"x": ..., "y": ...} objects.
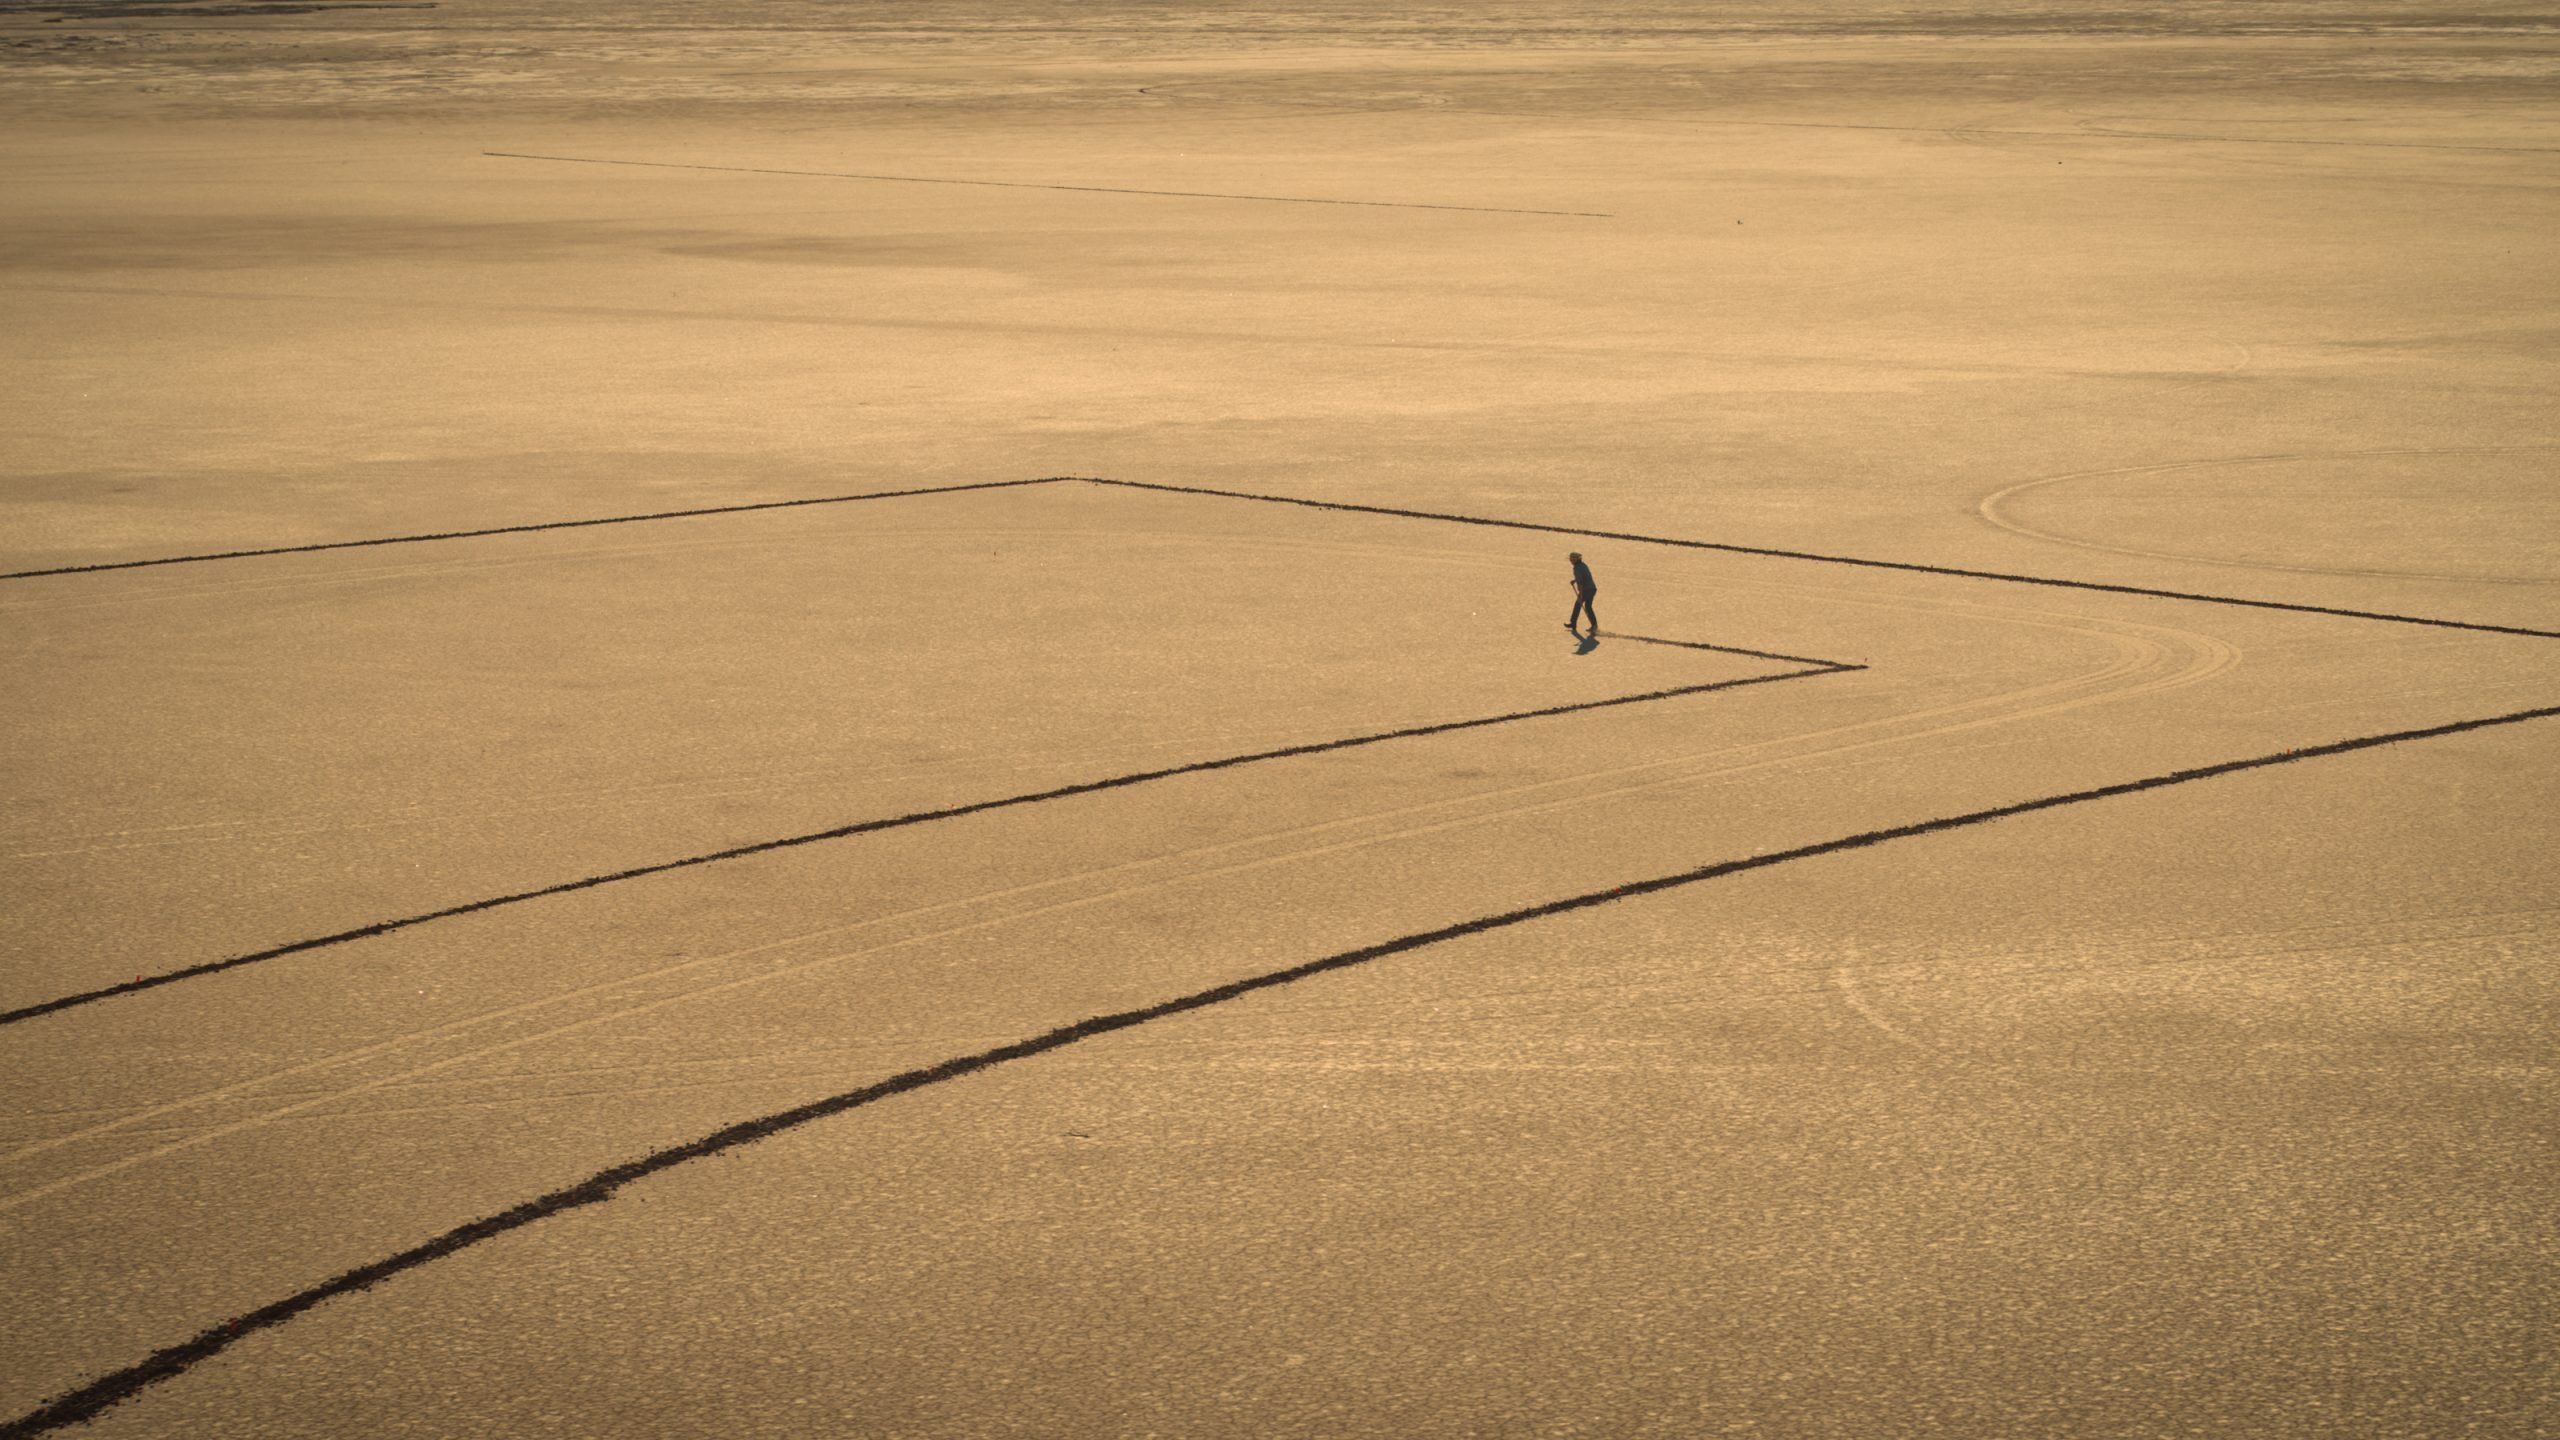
[{"x": 1582, "y": 580}]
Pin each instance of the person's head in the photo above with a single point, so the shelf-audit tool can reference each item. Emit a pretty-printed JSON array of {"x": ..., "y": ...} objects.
[{"x": 1574, "y": 555}]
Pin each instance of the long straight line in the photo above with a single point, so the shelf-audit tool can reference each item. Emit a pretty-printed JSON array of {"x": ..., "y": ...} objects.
[
  {"x": 1343, "y": 505},
  {"x": 526, "y": 529},
  {"x": 865, "y": 827},
  {"x": 1912, "y": 566},
  {"x": 1036, "y": 185},
  {"x": 87, "y": 1401}
]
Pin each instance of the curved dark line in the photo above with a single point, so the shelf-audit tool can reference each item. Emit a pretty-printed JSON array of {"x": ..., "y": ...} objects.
[
  {"x": 865, "y": 827},
  {"x": 1915, "y": 567},
  {"x": 527, "y": 529},
  {"x": 87, "y": 1401},
  {"x": 1032, "y": 185}
]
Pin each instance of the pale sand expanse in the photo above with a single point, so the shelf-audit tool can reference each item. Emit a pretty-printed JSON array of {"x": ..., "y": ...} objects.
[{"x": 2218, "y": 1108}]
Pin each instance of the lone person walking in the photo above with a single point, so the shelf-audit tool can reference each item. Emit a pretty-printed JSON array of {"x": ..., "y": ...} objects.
[{"x": 1584, "y": 590}]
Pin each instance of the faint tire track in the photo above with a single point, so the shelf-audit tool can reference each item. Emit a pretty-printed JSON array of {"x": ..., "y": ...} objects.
[
  {"x": 2134, "y": 656},
  {"x": 1989, "y": 507},
  {"x": 1848, "y": 982},
  {"x": 2137, "y": 655}
]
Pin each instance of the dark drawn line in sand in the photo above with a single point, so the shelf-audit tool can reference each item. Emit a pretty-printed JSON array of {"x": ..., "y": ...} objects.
[
  {"x": 1349, "y": 507},
  {"x": 1032, "y": 185},
  {"x": 86, "y": 1402},
  {"x": 865, "y": 827},
  {"x": 1912, "y": 566},
  {"x": 523, "y": 529}
]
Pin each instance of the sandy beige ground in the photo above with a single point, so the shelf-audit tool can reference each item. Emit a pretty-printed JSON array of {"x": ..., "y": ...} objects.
[{"x": 2221, "y": 1108}]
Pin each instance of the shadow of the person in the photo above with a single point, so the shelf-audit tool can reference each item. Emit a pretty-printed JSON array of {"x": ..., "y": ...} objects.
[{"x": 1589, "y": 643}]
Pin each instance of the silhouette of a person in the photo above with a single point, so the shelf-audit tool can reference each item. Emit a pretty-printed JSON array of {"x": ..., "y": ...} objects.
[{"x": 1585, "y": 589}]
